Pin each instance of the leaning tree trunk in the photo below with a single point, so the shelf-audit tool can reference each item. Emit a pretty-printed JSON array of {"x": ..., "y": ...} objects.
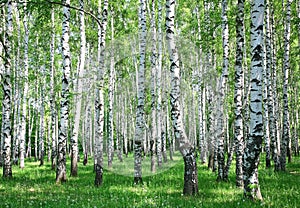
[
  {"x": 6, "y": 102},
  {"x": 99, "y": 102},
  {"x": 286, "y": 67},
  {"x": 139, "y": 125},
  {"x": 78, "y": 97},
  {"x": 186, "y": 149},
  {"x": 239, "y": 94},
  {"x": 254, "y": 142},
  {"x": 64, "y": 103}
]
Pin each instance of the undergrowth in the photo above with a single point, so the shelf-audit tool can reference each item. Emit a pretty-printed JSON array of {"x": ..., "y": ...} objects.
[{"x": 35, "y": 187}]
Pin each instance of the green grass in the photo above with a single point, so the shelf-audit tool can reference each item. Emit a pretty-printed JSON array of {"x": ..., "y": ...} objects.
[{"x": 35, "y": 187}]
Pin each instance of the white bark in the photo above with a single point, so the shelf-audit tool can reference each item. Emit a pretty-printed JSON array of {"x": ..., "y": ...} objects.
[
  {"x": 139, "y": 125},
  {"x": 52, "y": 94},
  {"x": 286, "y": 67},
  {"x": 222, "y": 91},
  {"x": 186, "y": 149},
  {"x": 78, "y": 97},
  {"x": 64, "y": 104},
  {"x": 239, "y": 94},
  {"x": 155, "y": 137},
  {"x": 7, "y": 101},
  {"x": 25, "y": 91},
  {"x": 111, "y": 89},
  {"x": 254, "y": 142},
  {"x": 99, "y": 102}
]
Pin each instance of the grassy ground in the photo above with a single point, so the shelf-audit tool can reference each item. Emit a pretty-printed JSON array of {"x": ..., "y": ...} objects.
[{"x": 35, "y": 187}]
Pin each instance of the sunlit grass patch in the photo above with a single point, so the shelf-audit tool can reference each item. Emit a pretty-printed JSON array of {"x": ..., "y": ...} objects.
[{"x": 35, "y": 187}]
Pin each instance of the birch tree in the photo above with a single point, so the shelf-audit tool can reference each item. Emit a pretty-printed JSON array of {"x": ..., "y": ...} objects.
[
  {"x": 25, "y": 90},
  {"x": 78, "y": 97},
  {"x": 64, "y": 104},
  {"x": 52, "y": 93},
  {"x": 99, "y": 101},
  {"x": 286, "y": 67},
  {"x": 154, "y": 116},
  {"x": 223, "y": 79},
  {"x": 238, "y": 94},
  {"x": 254, "y": 141},
  {"x": 186, "y": 149},
  {"x": 139, "y": 124},
  {"x": 7, "y": 101},
  {"x": 111, "y": 100}
]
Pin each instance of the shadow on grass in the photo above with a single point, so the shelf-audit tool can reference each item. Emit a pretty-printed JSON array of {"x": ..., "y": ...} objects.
[{"x": 35, "y": 187}]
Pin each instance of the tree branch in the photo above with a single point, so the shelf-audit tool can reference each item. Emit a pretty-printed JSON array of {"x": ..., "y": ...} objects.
[
  {"x": 57, "y": 3},
  {"x": 76, "y": 8}
]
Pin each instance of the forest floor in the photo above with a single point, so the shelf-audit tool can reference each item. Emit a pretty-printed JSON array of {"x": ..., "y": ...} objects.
[{"x": 35, "y": 187}]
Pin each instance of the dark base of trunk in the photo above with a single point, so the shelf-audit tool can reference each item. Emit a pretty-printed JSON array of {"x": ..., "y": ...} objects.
[
  {"x": 7, "y": 172},
  {"x": 61, "y": 178},
  {"x": 99, "y": 175},
  {"x": 289, "y": 154},
  {"x": 268, "y": 163},
  {"x": 109, "y": 164},
  {"x": 165, "y": 157},
  {"x": 190, "y": 174},
  {"x": 74, "y": 167},
  {"x": 42, "y": 159},
  {"x": 74, "y": 172},
  {"x": 210, "y": 164},
  {"x": 15, "y": 162},
  {"x": 137, "y": 181},
  {"x": 85, "y": 159}
]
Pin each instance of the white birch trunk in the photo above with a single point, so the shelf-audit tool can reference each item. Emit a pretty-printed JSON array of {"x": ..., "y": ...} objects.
[
  {"x": 7, "y": 100},
  {"x": 186, "y": 149},
  {"x": 78, "y": 97},
  {"x": 154, "y": 81},
  {"x": 239, "y": 94},
  {"x": 140, "y": 123},
  {"x": 286, "y": 67},
  {"x": 64, "y": 104},
  {"x": 17, "y": 90},
  {"x": 111, "y": 89},
  {"x": 99, "y": 102},
  {"x": 25, "y": 91},
  {"x": 275, "y": 129},
  {"x": 52, "y": 94},
  {"x": 222, "y": 91},
  {"x": 42, "y": 114},
  {"x": 254, "y": 142}
]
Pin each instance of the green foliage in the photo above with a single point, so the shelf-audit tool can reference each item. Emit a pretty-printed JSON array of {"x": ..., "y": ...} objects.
[{"x": 35, "y": 187}]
